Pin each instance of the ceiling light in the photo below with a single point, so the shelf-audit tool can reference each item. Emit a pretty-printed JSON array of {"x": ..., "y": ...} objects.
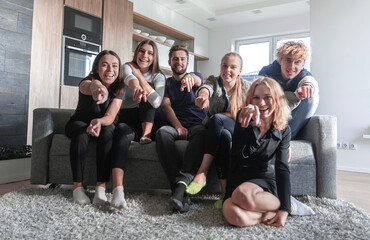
[{"x": 257, "y": 11}]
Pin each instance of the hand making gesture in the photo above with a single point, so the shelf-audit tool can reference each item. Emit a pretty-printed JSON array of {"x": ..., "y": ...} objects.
[
  {"x": 94, "y": 128},
  {"x": 187, "y": 82},
  {"x": 99, "y": 93},
  {"x": 202, "y": 101},
  {"x": 305, "y": 91},
  {"x": 248, "y": 113}
]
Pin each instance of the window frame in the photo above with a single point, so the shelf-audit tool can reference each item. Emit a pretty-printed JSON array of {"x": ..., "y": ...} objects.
[{"x": 273, "y": 39}]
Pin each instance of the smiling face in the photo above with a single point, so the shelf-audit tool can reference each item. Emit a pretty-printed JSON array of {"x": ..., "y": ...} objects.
[
  {"x": 145, "y": 57},
  {"x": 230, "y": 68},
  {"x": 291, "y": 66},
  {"x": 178, "y": 62},
  {"x": 108, "y": 69},
  {"x": 263, "y": 99}
]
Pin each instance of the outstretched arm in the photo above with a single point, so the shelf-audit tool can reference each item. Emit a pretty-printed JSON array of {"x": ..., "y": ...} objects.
[
  {"x": 307, "y": 87},
  {"x": 95, "y": 89},
  {"x": 202, "y": 101},
  {"x": 248, "y": 113},
  {"x": 189, "y": 80},
  {"x": 142, "y": 81}
]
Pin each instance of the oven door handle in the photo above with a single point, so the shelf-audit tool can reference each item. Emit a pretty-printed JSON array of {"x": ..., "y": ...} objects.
[{"x": 81, "y": 50}]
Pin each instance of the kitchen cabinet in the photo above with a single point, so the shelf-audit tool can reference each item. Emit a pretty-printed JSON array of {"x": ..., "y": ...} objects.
[
  {"x": 160, "y": 28},
  {"x": 117, "y": 28},
  {"x": 45, "y": 57},
  {"x": 68, "y": 97},
  {"x": 93, "y": 7},
  {"x": 191, "y": 62},
  {"x": 163, "y": 56}
]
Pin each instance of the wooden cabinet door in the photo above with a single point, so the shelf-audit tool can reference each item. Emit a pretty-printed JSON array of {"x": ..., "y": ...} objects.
[
  {"x": 93, "y": 7},
  {"x": 46, "y": 57},
  {"x": 117, "y": 28},
  {"x": 68, "y": 97}
]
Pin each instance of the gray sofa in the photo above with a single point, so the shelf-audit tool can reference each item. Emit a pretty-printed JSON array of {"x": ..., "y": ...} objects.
[{"x": 312, "y": 166}]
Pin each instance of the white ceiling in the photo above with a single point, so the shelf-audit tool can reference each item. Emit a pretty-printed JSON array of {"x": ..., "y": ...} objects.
[{"x": 231, "y": 12}]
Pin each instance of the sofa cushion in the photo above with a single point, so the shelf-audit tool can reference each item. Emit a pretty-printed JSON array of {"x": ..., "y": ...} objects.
[
  {"x": 145, "y": 172},
  {"x": 302, "y": 168}
]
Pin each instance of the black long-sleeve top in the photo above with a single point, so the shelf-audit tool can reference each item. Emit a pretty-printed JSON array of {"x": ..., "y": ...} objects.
[{"x": 252, "y": 158}]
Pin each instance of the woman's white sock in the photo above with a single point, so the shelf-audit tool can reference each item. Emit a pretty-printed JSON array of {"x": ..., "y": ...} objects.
[
  {"x": 299, "y": 208},
  {"x": 118, "y": 200},
  {"x": 80, "y": 197},
  {"x": 99, "y": 196}
]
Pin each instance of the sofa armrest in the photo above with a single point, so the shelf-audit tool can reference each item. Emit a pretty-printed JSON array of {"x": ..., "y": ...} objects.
[
  {"x": 46, "y": 122},
  {"x": 321, "y": 131}
]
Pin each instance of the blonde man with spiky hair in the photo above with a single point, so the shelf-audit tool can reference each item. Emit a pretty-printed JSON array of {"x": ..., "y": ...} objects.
[{"x": 301, "y": 89}]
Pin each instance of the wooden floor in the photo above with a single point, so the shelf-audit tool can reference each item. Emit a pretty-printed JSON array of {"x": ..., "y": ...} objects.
[{"x": 352, "y": 187}]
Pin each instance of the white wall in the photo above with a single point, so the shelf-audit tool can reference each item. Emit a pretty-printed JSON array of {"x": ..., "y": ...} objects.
[
  {"x": 164, "y": 15},
  {"x": 221, "y": 39},
  {"x": 340, "y": 38},
  {"x": 340, "y": 41}
]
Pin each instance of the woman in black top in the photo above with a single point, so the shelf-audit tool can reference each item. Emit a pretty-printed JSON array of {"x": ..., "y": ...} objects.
[
  {"x": 99, "y": 102},
  {"x": 256, "y": 191}
]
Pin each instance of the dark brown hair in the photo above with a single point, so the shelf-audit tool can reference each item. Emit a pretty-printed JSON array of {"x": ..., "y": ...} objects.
[
  {"x": 154, "y": 68},
  {"x": 178, "y": 48},
  {"x": 116, "y": 87}
]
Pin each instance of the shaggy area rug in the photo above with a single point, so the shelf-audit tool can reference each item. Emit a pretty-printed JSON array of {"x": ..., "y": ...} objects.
[{"x": 35, "y": 213}]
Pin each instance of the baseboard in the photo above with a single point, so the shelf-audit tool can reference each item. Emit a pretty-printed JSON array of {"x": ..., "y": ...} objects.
[
  {"x": 15, "y": 170},
  {"x": 353, "y": 169}
]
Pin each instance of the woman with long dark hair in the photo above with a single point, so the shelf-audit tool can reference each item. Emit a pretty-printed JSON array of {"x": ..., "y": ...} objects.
[
  {"x": 145, "y": 93},
  {"x": 100, "y": 99}
]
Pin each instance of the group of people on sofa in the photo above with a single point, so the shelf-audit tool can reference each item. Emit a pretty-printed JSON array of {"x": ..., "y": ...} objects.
[{"x": 242, "y": 126}]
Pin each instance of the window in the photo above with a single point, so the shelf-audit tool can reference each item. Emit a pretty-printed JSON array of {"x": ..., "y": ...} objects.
[{"x": 257, "y": 53}]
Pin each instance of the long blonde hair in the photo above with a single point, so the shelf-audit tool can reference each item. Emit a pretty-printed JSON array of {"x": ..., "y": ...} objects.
[
  {"x": 237, "y": 98},
  {"x": 282, "y": 112}
]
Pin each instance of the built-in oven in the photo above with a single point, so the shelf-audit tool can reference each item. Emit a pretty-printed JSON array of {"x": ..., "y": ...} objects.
[
  {"x": 82, "y": 25},
  {"x": 78, "y": 58},
  {"x": 81, "y": 44}
]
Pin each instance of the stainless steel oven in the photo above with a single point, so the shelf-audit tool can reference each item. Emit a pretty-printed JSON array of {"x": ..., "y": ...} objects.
[
  {"x": 82, "y": 25},
  {"x": 82, "y": 34},
  {"x": 78, "y": 57}
]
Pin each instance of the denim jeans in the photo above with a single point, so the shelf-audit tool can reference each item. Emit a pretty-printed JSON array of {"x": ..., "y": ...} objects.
[
  {"x": 302, "y": 113},
  {"x": 175, "y": 168},
  {"x": 220, "y": 129}
]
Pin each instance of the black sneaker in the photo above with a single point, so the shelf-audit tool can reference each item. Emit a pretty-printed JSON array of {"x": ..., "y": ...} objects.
[
  {"x": 185, "y": 204},
  {"x": 176, "y": 204}
]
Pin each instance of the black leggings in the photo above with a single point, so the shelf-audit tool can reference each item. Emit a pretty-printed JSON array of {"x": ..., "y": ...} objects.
[
  {"x": 135, "y": 116},
  {"x": 112, "y": 146}
]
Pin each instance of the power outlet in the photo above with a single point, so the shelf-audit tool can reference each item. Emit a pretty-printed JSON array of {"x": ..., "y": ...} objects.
[
  {"x": 352, "y": 146},
  {"x": 345, "y": 145}
]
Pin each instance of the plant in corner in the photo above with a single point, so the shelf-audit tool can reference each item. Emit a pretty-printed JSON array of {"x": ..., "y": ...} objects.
[{"x": 24, "y": 151}]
